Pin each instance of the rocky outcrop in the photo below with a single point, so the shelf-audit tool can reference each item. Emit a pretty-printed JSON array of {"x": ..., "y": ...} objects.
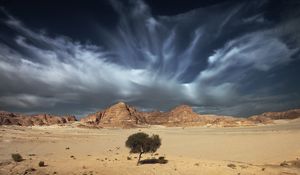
[
  {"x": 260, "y": 119},
  {"x": 118, "y": 115},
  {"x": 182, "y": 114},
  {"x": 93, "y": 119},
  {"x": 125, "y": 116},
  {"x": 290, "y": 114},
  {"x": 7, "y": 118}
]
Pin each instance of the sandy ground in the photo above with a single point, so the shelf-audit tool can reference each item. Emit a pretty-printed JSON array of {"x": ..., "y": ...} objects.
[{"x": 196, "y": 150}]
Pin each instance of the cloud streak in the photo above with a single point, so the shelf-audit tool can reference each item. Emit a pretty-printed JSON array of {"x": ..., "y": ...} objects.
[{"x": 153, "y": 62}]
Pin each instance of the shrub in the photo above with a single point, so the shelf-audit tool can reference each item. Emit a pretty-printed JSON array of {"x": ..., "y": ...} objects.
[
  {"x": 29, "y": 170},
  {"x": 233, "y": 166},
  {"x": 41, "y": 164},
  {"x": 141, "y": 143},
  {"x": 284, "y": 164},
  {"x": 17, "y": 157}
]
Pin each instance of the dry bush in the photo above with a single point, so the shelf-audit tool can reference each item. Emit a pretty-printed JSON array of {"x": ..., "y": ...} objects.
[{"x": 17, "y": 157}]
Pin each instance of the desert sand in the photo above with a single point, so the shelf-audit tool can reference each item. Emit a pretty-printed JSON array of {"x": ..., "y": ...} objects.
[{"x": 192, "y": 150}]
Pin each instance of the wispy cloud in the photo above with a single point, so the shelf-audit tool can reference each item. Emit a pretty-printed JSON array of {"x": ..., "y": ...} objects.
[{"x": 150, "y": 61}]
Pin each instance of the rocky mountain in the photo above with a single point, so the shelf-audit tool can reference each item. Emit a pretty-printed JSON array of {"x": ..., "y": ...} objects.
[
  {"x": 118, "y": 115},
  {"x": 8, "y": 118},
  {"x": 125, "y": 116},
  {"x": 182, "y": 115},
  {"x": 290, "y": 114}
]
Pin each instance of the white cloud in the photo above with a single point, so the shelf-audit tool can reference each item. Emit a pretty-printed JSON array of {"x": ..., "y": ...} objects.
[
  {"x": 145, "y": 62},
  {"x": 261, "y": 51}
]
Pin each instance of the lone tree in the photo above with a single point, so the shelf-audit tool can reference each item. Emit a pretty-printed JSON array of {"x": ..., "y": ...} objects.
[{"x": 142, "y": 143}]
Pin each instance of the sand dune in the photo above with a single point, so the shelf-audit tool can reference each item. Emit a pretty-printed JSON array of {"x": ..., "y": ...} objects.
[{"x": 194, "y": 150}]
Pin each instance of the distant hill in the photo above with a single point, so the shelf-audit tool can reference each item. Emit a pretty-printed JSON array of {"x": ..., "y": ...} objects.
[
  {"x": 290, "y": 114},
  {"x": 123, "y": 115},
  {"x": 8, "y": 118},
  {"x": 126, "y": 116}
]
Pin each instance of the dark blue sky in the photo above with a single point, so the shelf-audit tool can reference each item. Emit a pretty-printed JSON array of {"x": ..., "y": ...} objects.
[{"x": 224, "y": 57}]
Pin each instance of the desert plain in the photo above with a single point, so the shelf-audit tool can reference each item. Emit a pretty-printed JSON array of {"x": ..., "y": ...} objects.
[{"x": 263, "y": 149}]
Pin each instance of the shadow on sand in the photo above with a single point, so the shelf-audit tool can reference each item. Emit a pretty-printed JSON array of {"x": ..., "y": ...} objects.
[{"x": 160, "y": 160}]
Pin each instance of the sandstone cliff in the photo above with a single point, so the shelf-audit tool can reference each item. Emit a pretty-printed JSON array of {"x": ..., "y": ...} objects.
[
  {"x": 125, "y": 116},
  {"x": 290, "y": 114},
  {"x": 118, "y": 115},
  {"x": 8, "y": 118}
]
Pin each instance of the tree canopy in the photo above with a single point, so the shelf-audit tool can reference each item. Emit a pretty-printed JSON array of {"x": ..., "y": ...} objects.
[{"x": 143, "y": 143}]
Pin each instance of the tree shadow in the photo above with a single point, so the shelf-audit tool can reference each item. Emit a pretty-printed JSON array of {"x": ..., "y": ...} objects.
[{"x": 160, "y": 160}]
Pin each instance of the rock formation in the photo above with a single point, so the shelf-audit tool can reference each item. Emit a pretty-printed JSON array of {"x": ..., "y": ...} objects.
[
  {"x": 182, "y": 114},
  {"x": 290, "y": 114},
  {"x": 125, "y": 116},
  {"x": 118, "y": 115},
  {"x": 8, "y": 118}
]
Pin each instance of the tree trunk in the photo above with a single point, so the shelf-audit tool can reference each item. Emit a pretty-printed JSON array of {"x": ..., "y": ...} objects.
[{"x": 139, "y": 158}]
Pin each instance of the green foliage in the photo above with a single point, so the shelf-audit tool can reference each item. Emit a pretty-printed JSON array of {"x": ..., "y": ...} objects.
[
  {"x": 17, "y": 157},
  {"x": 142, "y": 143}
]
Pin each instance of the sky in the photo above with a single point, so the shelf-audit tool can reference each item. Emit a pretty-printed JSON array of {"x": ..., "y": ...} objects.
[{"x": 236, "y": 58}]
